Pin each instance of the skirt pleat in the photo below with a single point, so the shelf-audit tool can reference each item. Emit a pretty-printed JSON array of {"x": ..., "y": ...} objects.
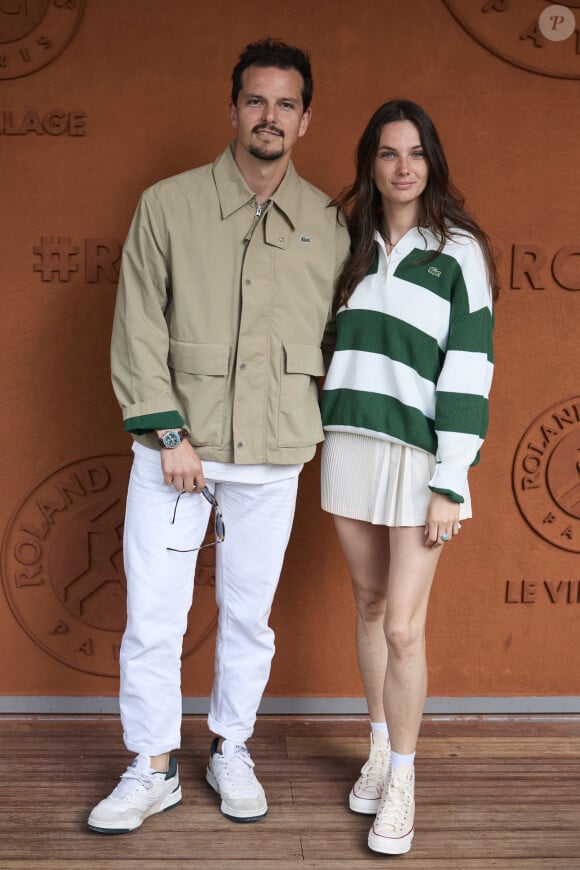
[{"x": 377, "y": 481}]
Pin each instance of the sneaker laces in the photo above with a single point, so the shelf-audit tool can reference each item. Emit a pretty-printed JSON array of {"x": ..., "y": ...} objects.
[
  {"x": 238, "y": 767},
  {"x": 395, "y": 804},
  {"x": 372, "y": 775},
  {"x": 132, "y": 780}
]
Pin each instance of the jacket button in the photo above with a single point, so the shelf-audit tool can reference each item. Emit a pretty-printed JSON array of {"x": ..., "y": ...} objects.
[
  {"x": 282, "y": 239},
  {"x": 247, "y": 282},
  {"x": 242, "y": 367},
  {"x": 239, "y": 445}
]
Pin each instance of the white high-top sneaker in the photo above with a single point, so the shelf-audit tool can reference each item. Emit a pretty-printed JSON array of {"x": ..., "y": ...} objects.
[
  {"x": 392, "y": 831},
  {"x": 365, "y": 795}
]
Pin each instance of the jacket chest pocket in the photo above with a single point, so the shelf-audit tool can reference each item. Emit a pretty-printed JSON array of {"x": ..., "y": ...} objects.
[
  {"x": 200, "y": 376},
  {"x": 299, "y": 422}
]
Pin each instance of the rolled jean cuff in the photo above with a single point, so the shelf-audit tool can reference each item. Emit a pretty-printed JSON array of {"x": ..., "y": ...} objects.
[{"x": 236, "y": 735}]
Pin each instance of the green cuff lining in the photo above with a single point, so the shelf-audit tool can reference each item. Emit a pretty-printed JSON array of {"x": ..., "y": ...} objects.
[
  {"x": 148, "y": 422},
  {"x": 458, "y": 499}
]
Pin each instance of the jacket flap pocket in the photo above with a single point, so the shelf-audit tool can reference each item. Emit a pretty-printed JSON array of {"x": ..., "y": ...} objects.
[
  {"x": 304, "y": 359},
  {"x": 199, "y": 359}
]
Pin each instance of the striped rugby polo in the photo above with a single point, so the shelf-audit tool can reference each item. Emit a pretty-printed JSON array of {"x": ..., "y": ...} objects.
[{"x": 414, "y": 357}]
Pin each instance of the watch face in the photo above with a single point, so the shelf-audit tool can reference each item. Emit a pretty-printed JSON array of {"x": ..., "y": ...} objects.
[{"x": 171, "y": 439}]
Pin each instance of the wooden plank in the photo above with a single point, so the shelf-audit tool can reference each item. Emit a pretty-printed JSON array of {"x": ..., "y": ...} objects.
[
  {"x": 440, "y": 747},
  {"x": 182, "y": 843},
  {"x": 409, "y": 862},
  {"x": 441, "y": 845},
  {"x": 68, "y": 819},
  {"x": 493, "y": 795}
]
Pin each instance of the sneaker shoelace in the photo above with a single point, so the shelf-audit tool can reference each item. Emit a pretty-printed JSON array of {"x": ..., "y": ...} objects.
[
  {"x": 131, "y": 781},
  {"x": 372, "y": 775},
  {"x": 395, "y": 805},
  {"x": 239, "y": 767}
]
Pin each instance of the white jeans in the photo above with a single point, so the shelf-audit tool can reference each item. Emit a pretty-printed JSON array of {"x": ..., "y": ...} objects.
[{"x": 258, "y": 520}]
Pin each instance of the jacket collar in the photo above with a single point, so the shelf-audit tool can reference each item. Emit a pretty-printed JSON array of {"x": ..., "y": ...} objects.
[{"x": 233, "y": 192}]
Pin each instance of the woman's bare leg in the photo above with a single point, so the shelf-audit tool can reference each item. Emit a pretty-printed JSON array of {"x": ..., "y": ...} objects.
[
  {"x": 411, "y": 571},
  {"x": 366, "y": 548}
]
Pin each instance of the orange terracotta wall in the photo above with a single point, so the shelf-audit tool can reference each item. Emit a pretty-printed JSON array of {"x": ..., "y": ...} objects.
[{"x": 98, "y": 100}]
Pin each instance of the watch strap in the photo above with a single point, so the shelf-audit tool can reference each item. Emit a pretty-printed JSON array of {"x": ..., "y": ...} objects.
[{"x": 180, "y": 433}]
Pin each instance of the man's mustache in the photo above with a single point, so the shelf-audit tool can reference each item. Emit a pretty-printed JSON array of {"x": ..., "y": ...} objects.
[{"x": 269, "y": 127}]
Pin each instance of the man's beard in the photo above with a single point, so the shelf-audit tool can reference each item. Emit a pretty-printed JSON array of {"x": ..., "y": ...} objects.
[
  {"x": 264, "y": 154},
  {"x": 261, "y": 151}
]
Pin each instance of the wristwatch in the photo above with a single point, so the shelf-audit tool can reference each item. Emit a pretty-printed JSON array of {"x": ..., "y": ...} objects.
[{"x": 172, "y": 438}]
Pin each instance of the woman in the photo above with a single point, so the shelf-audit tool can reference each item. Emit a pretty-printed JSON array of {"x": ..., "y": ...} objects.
[{"x": 405, "y": 413}]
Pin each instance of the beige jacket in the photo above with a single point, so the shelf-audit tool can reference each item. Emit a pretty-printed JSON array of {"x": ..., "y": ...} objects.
[{"x": 220, "y": 314}]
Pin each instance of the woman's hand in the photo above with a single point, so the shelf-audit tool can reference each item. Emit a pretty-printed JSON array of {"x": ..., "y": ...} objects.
[{"x": 442, "y": 522}]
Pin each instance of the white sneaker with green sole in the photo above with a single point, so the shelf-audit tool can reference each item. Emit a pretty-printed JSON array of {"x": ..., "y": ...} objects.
[
  {"x": 231, "y": 774},
  {"x": 141, "y": 793}
]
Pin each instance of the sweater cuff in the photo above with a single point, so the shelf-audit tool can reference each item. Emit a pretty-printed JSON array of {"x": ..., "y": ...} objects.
[
  {"x": 148, "y": 422},
  {"x": 450, "y": 481}
]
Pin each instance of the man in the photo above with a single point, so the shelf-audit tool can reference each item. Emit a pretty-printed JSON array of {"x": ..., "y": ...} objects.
[{"x": 225, "y": 289}]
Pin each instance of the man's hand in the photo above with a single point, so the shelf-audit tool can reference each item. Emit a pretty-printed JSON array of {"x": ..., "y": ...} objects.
[
  {"x": 182, "y": 468},
  {"x": 442, "y": 521}
]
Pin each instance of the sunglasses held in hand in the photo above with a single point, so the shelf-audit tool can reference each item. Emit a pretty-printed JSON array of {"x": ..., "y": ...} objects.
[{"x": 220, "y": 529}]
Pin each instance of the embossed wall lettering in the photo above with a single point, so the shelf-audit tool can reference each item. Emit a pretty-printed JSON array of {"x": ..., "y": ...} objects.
[
  {"x": 546, "y": 475},
  {"x": 527, "y": 264},
  {"x": 62, "y": 566},
  {"x": 53, "y": 123},
  {"x": 565, "y": 269},
  {"x": 532, "y": 267},
  {"x": 58, "y": 258},
  {"x": 34, "y": 32},
  {"x": 511, "y": 30},
  {"x": 542, "y": 591}
]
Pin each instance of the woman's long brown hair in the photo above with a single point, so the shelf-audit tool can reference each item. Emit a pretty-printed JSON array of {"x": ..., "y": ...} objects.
[{"x": 442, "y": 203}]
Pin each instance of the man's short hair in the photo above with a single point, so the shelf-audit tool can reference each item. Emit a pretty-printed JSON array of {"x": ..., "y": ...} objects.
[{"x": 274, "y": 52}]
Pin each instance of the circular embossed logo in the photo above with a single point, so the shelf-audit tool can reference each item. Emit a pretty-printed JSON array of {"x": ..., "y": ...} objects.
[
  {"x": 62, "y": 566},
  {"x": 546, "y": 475},
  {"x": 34, "y": 32},
  {"x": 512, "y": 30}
]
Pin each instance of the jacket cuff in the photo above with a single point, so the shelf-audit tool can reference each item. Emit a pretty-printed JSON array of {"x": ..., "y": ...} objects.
[
  {"x": 450, "y": 481},
  {"x": 148, "y": 422}
]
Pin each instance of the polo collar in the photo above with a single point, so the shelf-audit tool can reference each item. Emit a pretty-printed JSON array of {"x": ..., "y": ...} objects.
[{"x": 417, "y": 237}]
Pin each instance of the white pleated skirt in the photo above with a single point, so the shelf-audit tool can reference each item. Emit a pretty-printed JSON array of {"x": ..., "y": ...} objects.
[{"x": 378, "y": 481}]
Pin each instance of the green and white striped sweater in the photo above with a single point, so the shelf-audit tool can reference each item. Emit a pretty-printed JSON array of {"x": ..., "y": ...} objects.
[{"x": 414, "y": 358}]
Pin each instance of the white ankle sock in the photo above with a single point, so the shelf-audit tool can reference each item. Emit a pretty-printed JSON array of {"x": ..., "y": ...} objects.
[
  {"x": 398, "y": 760},
  {"x": 381, "y": 727}
]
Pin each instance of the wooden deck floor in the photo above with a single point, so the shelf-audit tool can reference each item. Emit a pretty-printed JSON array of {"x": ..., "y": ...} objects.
[{"x": 490, "y": 794}]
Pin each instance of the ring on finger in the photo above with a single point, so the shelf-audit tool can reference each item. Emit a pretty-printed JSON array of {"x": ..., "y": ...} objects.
[{"x": 444, "y": 538}]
